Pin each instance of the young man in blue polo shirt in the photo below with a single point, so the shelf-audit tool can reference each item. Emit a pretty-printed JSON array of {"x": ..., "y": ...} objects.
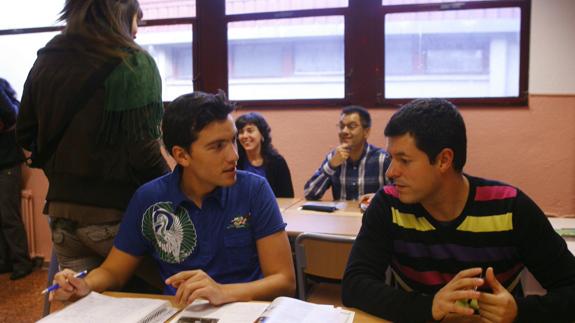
[{"x": 215, "y": 232}]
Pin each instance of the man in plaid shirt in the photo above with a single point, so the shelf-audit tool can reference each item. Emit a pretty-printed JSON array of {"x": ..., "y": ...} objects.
[{"x": 353, "y": 168}]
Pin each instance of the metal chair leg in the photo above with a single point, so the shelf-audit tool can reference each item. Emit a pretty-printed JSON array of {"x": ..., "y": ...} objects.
[{"x": 52, "y": 270}]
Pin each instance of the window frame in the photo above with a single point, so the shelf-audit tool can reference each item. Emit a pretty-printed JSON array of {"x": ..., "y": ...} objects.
[
  {"x": 364, "y": 48},
  {"x": 179, "y": 21},
  {"x": 523, "y": 5},
  {"x": 305, "y": 13}
]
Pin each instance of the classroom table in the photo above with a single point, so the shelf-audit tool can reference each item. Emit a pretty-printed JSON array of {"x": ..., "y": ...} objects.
[
  {"x": 285, "y": 202},
  {"x": 347, "y": 221},
  {"x": 344, "y": 221},
  {"x": 565, "y": 223},
  {"x": 360, "y": 317}
]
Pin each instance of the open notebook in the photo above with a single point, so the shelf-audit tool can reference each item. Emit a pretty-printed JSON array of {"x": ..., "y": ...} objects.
[
  {"x": 281, "y": 310},
  {"x": 101, "y": 308}
]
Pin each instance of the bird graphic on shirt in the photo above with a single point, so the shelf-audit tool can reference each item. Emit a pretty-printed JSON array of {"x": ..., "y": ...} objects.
[{"x": 170, "y": 231}]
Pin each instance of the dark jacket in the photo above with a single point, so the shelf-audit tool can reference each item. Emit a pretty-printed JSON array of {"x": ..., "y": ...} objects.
[
  {"x": 10, "y": 153},
  {"x": 82, "y": 170},
  {"x": 277, "y": 174}
]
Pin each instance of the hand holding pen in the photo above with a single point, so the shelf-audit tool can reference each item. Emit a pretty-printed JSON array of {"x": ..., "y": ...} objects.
[
  {"x": 52, "y": 288},
  {"x": 69, "y": 285}
]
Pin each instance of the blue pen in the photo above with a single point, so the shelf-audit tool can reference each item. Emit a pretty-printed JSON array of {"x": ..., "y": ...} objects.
[{"x": 56, "y": 286}]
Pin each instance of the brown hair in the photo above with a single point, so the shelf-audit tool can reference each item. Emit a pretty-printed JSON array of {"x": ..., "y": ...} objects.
[{"x": 106, "y": 24}]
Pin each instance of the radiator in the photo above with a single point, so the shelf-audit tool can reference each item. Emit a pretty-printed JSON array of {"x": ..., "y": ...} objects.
[{"x": 28, "y": 218}]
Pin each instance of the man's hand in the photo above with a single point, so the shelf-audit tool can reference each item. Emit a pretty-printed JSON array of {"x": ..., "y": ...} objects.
[
  {"x": 340, "y": 155},
  {"x": 70, "y": 286},
  {"x": 365, "y": 200},
  {"x": 461, "y": 287},
  {"x": 194, "y": 284},
  {"x": 499, "y": 306}
]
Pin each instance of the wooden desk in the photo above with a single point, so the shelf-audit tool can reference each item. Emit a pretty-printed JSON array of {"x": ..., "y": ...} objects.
[
  {"x": 345, "y": 221},
  {"x": 349, "y": 208},
  {"x": 360, "y": 317},
  {"x": 565, "y": 223},
  {"x": 286, "y": 202}
]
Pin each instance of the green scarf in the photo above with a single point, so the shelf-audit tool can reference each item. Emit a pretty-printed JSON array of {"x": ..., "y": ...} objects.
[{"x": 133, "y": 108}]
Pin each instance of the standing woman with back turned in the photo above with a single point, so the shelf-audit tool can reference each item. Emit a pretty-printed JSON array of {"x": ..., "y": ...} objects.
[
  {"x": 257, "y": 155},
  {"x": 91, "y": 109}
]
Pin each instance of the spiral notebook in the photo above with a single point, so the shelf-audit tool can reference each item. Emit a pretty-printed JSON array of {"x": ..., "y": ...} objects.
[{"x": 100, "y": 308}]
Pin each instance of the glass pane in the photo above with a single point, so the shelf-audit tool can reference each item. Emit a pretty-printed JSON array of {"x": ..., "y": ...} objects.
[
  {"x": 15, "y": 64},
  {"x": 463, "y": 53},
  {"x": 300, "y": 58},
  {"x": 171, "y": 47},
  {"x": 251, "y": 6},
  {"x": 399, "y": 2},
  {"x": 164, "y": 9},
  {"x": 30, "y": 13}
]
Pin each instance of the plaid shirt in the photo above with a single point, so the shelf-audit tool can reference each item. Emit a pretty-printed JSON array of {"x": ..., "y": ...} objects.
[{"x": 364, "y": 176}]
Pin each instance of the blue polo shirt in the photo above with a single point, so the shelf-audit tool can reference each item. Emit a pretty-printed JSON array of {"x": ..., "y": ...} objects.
[{"x": 220, "y": 238}]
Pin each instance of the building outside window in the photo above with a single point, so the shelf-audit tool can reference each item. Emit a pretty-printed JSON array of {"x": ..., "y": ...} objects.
[{"x": 306, "y": 50}]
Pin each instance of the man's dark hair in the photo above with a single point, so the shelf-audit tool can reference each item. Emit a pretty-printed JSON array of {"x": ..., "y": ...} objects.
[
  {"x": 434, "y": 124},
  {"x": 361, "y": 111},
  {"x": 188, "y": 114}
]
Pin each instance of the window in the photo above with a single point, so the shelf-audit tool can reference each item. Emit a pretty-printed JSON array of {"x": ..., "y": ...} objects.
[
  {"x": 45, "y": 13},
  {"x": 15, "y": 64},
  {"x": 454, "y": 54},
  {"x": 171, "y": 48},
  {"x": 167, "y": 9},
  {"x": 167, "y": 34},
  {"x": 315, "y": 53},
  {"x": 298, "y": 58},
  {"x": 20, "y": 37},
  {"x": 400, "y": 2},
  {"x": 286, "y": 50},
  {"x": 253, "y": 6}
]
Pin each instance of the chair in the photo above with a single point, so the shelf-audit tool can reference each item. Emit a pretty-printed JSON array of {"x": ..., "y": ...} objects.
[
  {"x": 320, "y": 264},
  {"x": 52, "y": 270}
]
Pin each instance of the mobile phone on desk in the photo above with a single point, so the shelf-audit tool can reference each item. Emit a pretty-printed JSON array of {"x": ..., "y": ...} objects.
[
  {"x": 313, "y": 206},
  {"x": 187, "y": 319}
]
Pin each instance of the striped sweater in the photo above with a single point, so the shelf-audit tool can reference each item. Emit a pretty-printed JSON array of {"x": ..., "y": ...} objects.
[{"x": 500, "y": 227}]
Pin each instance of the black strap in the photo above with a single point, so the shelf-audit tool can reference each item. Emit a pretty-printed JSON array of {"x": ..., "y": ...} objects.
[{"x": 38, "y": 158}]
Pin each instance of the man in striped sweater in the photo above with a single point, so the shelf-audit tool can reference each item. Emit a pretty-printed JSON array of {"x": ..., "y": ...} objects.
[{"x": 454, "y": 244}]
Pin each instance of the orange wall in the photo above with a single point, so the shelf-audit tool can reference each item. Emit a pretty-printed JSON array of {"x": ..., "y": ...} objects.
[{"x": 530, "y": 147}]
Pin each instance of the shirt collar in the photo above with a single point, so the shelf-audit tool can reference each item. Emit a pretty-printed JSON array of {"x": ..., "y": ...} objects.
[
  {"x": 178, "y": 197},
  {"x": 366, "y": 149}
]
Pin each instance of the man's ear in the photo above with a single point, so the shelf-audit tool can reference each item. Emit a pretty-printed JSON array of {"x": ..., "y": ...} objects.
[
  {"x": 181, "y": 156},
  {"x": 445, "y": 159}
]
